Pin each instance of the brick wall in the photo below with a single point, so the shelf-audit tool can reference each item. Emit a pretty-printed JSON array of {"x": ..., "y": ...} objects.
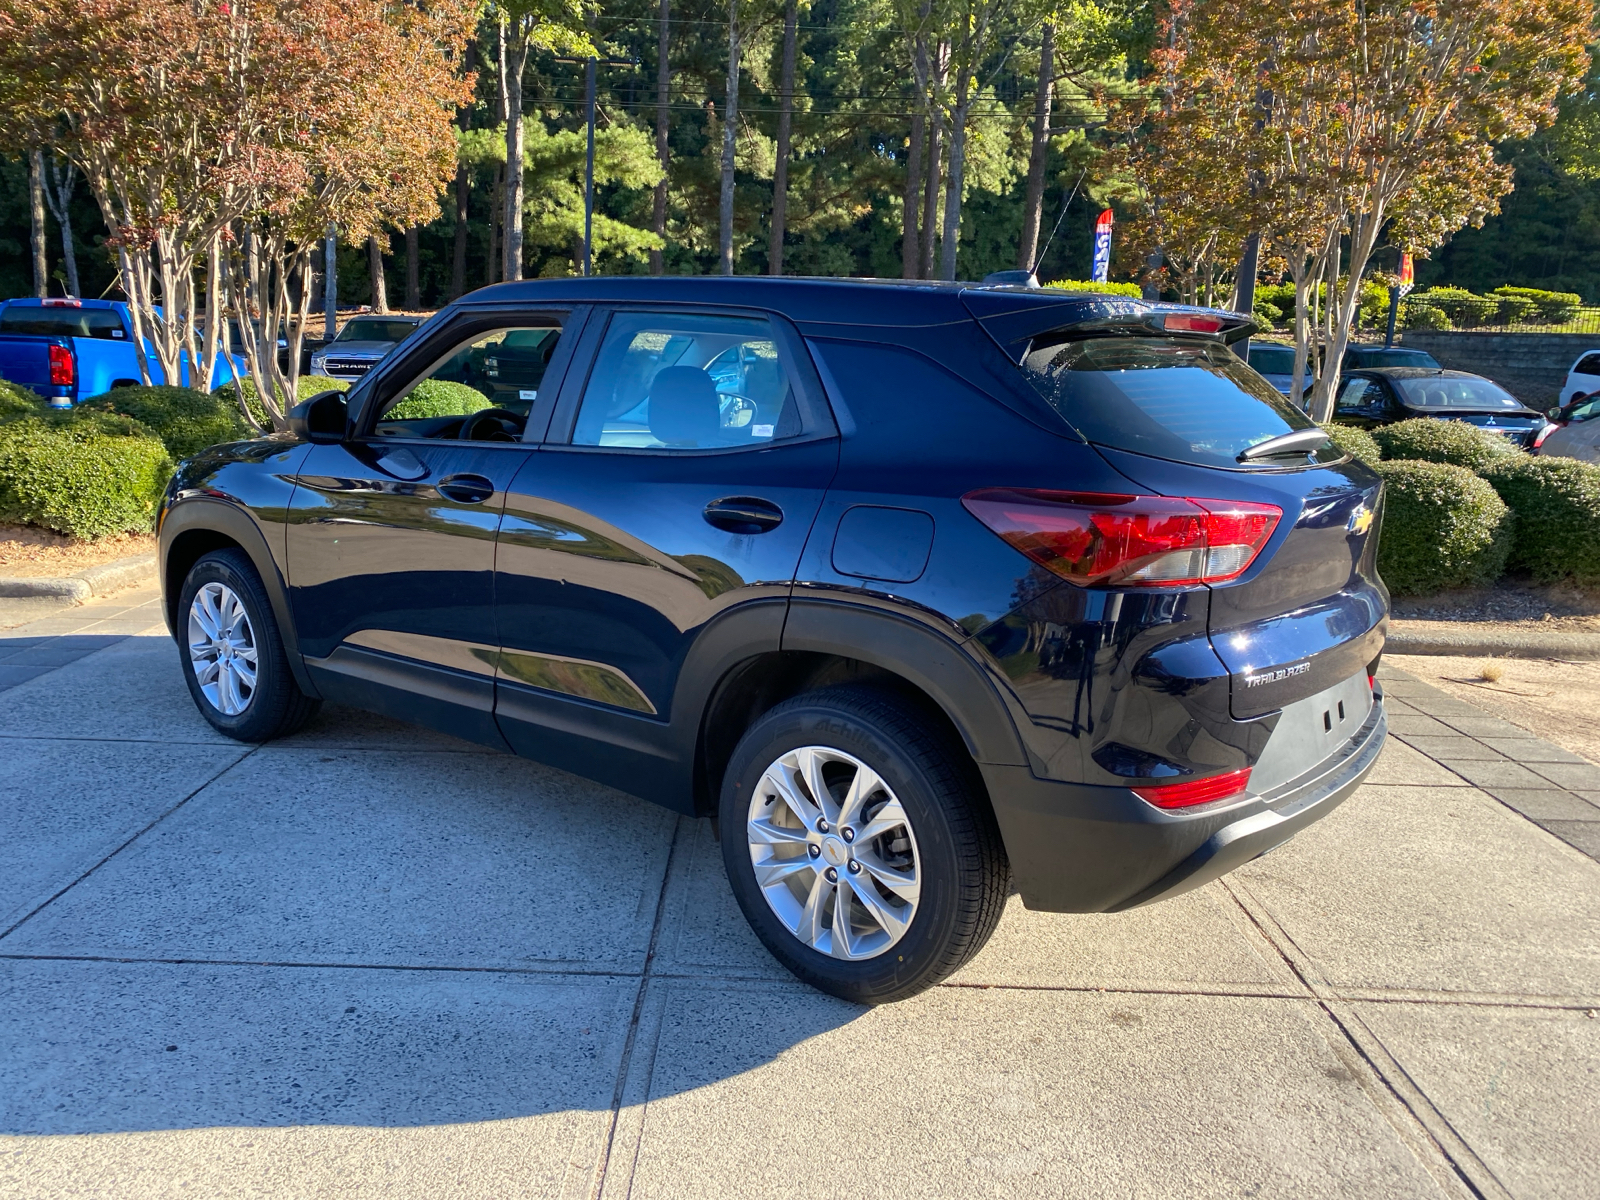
[{"x": 1531, "y": 366}]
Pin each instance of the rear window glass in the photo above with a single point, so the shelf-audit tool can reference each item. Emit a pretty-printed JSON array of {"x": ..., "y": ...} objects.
[
  {"x": 1440, "y": 392},
  {"x": 62, "y": 322},
  {"x": 1272, "y": 360},
  {"x": 1193, "y": 402},
  {"x": 1390, "y": 358}
]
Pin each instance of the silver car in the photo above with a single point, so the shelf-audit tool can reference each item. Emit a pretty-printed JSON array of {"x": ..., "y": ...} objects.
[{"x": 361, "y": 345}]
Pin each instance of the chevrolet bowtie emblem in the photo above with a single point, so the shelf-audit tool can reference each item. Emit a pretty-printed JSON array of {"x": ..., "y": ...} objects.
[{"x": 1361, "y": 520}]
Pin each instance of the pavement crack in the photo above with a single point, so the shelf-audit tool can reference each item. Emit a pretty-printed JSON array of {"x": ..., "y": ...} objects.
[
  {"x": 618, "y": 1094},
  {"x": 120, "y": 847}
]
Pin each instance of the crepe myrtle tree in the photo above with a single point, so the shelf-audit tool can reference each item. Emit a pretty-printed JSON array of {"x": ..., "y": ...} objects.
[{"x": 380, "y": 155}]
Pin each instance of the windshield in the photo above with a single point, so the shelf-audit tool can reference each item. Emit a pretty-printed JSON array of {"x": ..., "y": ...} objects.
[
  {"x": 376, "y": 329},
  {"x": 61, "y": 322},
  {"x": 1442, "y": 392},
  {"x": 1272, "y": 360},
  {"x": 1193, "y": 402},
  {"x": 1392, "y": 358}
]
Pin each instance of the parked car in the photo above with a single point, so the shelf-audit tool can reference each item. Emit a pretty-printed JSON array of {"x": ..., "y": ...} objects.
[
  {"x": 1573, "y": 431},
  {"x": 1359, "y": 357},
  {"x": 1276, "y": 365},
  {"x": 921, "y": 591},
  {"x": 361, "y": 345},
  {"x": 1383, "y": 395},
  {"x": 1583, "y": 378}
]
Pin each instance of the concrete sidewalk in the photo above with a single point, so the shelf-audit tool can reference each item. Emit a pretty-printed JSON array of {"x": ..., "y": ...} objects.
[{"x": 372, "y": 961}]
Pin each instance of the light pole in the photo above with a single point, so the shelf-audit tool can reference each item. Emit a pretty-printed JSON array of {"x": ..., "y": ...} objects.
[{"x": 588, "y": 163}]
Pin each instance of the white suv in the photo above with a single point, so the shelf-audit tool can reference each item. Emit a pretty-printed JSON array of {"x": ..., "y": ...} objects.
[{"x": 1583, "y": 379}]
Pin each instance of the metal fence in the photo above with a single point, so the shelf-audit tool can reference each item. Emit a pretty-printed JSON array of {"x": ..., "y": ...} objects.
[{"x": 1497, "y": 315}]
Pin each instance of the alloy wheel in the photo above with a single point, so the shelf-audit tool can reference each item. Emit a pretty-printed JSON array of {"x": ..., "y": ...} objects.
[
  {"x": 222, "y": 648},
  {"x": 834, "y": 853}
]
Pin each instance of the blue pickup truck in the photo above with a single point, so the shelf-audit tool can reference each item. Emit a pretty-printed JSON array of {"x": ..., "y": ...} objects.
[{"x": 67, "y": 350}]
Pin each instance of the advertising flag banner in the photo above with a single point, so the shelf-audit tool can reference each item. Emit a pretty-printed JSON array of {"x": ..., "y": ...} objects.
[
  {"x": 1102, "y": 247},
  {"x": 1408, "y": 274}
]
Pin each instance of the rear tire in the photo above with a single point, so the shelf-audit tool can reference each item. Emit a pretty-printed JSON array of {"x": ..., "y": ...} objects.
[
  {"x": 232, "y": 653},
  {"x": 903, "y": 840}
]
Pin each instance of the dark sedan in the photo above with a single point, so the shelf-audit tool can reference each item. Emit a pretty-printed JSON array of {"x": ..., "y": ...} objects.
[{"x": 1384, "y": 395}]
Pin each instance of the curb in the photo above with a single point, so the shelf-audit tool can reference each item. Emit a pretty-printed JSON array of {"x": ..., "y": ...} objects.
[
  {"x": 1570, "y": 646},
  {"x": 94, "y": 581}
]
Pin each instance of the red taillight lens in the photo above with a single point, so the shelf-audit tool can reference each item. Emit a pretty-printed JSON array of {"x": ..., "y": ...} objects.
[
  {"x": 1190, "y": 792},
  {"x": 1092, "y": 538},
  {"x": 1187, "y": 323},
  {"x": 62, "y": 369},
  {"x": 1538, "y": 438}
]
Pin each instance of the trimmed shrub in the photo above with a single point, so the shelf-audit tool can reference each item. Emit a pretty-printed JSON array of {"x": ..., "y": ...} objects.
[
  {"x": 1089, "y": 285},
  {"x": 1419, "y": 314},
  {"x": 1443, "y": 527},
  {"x": 438, "y": 398},
  {"x": 185, "y": 419},
  {"x": 1548, "y": 308},
  {"x": 1357, "y": 443},
  {"x": 79, "y": 478},
  {"x": 17, "y": 401},
  {"x": 1557, "y": 507},
  {"x": 1436, "y": 440}
]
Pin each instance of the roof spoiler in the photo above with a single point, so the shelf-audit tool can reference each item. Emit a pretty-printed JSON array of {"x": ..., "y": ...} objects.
[{"x": 1017, "y": 319}]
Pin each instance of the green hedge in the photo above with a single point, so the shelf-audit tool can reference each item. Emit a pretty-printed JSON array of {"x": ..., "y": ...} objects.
[
  {"x": 1557, "y": 507},
  {"x": 1090, "y": 285},
  {"x": 1357, "y": 443},
  {"x": 1430, "y": 439},
  {"x": 1443, "y": 527},
  {"x": 305, "y": 387},
  {"x": 438, "y": 398},
  {"x": 81, "y": 477},
  {"x": 1549, "y": 308},
  {"x": 17, "y": 401},
  {"x": 185, "y": 419}
]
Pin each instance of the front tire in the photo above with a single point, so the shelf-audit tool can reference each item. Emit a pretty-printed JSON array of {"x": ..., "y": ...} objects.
[
  {"x": 232, "y": 653},
  {"x": 859, "y": 845}
]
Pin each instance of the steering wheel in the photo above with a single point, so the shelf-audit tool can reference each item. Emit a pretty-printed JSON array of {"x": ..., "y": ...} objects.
[{"x": 492, "y": 425}]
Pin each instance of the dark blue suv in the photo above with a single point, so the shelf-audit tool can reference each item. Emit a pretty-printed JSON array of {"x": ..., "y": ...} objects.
[{"x": 922, "y": 592}]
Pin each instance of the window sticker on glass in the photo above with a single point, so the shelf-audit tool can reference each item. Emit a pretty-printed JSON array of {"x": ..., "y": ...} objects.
[
  {"x": 527, "y": 394},
  {"x": 761, "y": 430}
]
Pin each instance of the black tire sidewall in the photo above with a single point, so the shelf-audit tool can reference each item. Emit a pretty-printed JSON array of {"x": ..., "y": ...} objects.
[
  {"x": 263, "y": 716},
  {"x": 905, "y": 966}
]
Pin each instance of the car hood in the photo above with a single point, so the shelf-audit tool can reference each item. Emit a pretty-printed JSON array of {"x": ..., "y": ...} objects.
[{"x": 357, "y": 349}]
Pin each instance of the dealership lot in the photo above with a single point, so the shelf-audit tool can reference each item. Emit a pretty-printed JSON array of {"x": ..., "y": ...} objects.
[{"x": 370, "y": 960}]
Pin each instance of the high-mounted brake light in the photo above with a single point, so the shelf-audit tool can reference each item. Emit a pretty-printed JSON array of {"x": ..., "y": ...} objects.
[
  {"x": 1097, "y": 539},
  {"x": 63, "y": 371},
  {"x": 1190, "y": 323},
  {"x": 1190, "y": 792},
  {"x": 61, "y": 302}
]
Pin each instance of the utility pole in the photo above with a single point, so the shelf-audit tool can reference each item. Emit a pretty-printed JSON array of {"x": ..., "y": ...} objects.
[
  {"x": 330, "y": 283},
  {"x": 588, "y": 164}
]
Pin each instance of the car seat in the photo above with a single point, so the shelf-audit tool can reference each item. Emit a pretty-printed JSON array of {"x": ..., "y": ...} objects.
[{"x": 685, "y": 409}]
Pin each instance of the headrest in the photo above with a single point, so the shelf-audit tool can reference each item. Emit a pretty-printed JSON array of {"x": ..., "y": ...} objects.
[{"x": 684, "y": 408}]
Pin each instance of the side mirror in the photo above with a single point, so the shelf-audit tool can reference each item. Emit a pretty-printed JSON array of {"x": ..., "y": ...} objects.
[
  {"x": 320, "y": 419},
  {"x": 1553, "y": 413}
]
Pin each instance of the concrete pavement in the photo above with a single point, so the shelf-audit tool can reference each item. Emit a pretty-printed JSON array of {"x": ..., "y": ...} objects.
[{"x": 373, "y": 961}]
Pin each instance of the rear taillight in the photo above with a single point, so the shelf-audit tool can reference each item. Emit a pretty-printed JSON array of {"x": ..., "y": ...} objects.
[
  {"x": 63, "y": 371},
  {"x": 1190, "y": 792},
  {"x": 1190, "y": 323},
  {"x": 1090, "y": 538},
  {"x": 1538, "y": 438}
]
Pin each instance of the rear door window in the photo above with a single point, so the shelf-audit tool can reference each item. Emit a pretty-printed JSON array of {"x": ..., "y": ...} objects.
[
  {"x": 1188, "y": 401},
  {"x": 1589, "y": 364}
]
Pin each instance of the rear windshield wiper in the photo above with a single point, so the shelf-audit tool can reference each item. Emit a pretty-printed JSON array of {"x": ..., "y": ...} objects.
[{"x": 1298, "y": 441}]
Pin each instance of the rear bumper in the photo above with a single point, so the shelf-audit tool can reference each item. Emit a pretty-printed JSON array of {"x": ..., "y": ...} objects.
[{"x": 1077, "y": 848}]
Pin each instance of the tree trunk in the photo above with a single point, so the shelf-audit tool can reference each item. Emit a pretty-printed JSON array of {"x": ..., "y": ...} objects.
[
  {"x": 58, "y": 193},
  {"x": 934, "y": 179},
  {"x": 516, "y": 59},
  {"x": 458, "y": 255},
  {"x": 1363, "y": 236},
  {"x": 380, "y": 291},
  {"x": 780, "y": 174},
  {"x": 952, "y": 188},
  {"x": 413, "y": 278},
  {"x": 1033, "y": 204},
  {"x": 730, "y": 121},
  {"x": 916, "y": 148},
  {"x": 41, "y": 256},
  {"x": 658, "y": 217}
]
